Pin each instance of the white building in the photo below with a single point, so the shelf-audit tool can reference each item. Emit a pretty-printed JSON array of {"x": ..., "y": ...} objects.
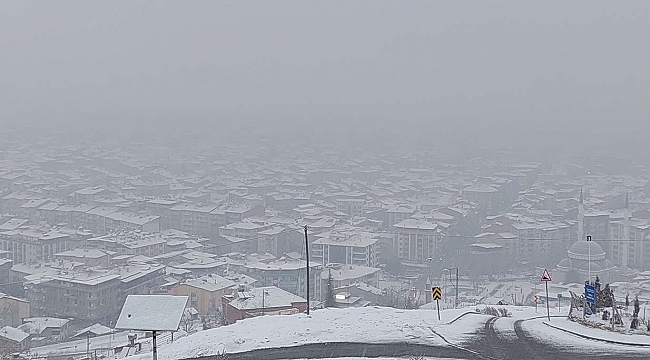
[
  {"x": 355, "y": 248},
  {"x": 416, "y": 239}
]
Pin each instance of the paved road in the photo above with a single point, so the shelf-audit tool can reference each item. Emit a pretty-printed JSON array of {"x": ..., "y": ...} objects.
[
  {"x": 506, "y": 346},
  {"x": 335, "y": 350},
  {"x": 489, "y": 343}
]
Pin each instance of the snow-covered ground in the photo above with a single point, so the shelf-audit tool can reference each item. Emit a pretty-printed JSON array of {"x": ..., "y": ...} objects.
[
  {"x": 388, "y": 325},
  {"x": 369, "y": 325},
  {"x": 537, "y": 325},
  {"x": 638, "y": 339},
  {"x": 539, "y": 329}
]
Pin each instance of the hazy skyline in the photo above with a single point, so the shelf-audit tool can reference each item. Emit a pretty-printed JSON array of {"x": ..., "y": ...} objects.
[{"x": 581, "y": 64}]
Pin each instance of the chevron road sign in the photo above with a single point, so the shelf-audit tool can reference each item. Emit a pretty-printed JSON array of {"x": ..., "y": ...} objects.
[
  {"x": 436, "y": 292},
  {"x": 437, "y": 295}
]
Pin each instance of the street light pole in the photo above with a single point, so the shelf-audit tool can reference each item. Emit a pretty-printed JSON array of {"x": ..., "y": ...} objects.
[
  {"x": 456, "y": 298},
  {"x": 307, "y": 255},
  {"x": 589, "y": 260}
]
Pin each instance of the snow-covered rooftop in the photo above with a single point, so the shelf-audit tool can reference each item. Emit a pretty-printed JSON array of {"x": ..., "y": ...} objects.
[
  {"x": 13, "y": 334},
  {"x": 265, "y": 297}
]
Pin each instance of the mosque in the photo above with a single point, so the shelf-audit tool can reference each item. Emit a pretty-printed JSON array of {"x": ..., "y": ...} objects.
[{"x": 585, "y": 259}]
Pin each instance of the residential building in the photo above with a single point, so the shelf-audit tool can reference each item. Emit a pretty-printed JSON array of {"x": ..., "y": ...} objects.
[
  {"x": 350, "y": 248},
  {"x": 5, "y": 268},
  {"x": 205, "y": 292},
  {"x": 13, "y": 310},
  {"x": 485, "y": 196},
  {"x": 33, "y": 244},
  {"x": 89, "y": 194},
  {"x": 272, "y": 241},
  {"x": 118, "y": 221},
  {"x": 286, "y": 273},
  {"x": 399, "y": 213},
  {"x": 130, "y": 243},
  {"x": 194, "y": 219},
  {"x": 162, "y": 208},
  {"x": 341, "y": 277},
  {"x": 268, "y": 300},
  {"x": 46, "y": 329},
  {"x": 13, "y": 340},
  {"x": 417, "y": 240},
  {"x": 596, "y": 225},
  {"x": 87, "y": 293},
  {"x": 90, "y": 257}
]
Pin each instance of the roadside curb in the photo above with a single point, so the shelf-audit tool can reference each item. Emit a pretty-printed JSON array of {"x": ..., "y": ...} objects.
[{"x": 595, "y": 338}]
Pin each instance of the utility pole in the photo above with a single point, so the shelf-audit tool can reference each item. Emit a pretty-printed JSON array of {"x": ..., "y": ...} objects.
[
  {"x": 155, "y": 345},
  {"x": 456, "y": 303},
  {"x": 307, "y": 255}
]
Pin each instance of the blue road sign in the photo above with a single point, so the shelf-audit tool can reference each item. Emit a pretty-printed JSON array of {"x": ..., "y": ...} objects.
[
  {"x": 590, "y": 293},
  {"x": 559, "y": 296}
]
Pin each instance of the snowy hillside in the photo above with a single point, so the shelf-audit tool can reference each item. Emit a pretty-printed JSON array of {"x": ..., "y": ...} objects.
[
  {"x": 376, "y": 325},
  {"x": 368, "y": 325}
]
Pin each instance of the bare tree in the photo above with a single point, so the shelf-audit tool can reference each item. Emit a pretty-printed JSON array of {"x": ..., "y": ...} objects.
[{"x": 188, "y": 324}]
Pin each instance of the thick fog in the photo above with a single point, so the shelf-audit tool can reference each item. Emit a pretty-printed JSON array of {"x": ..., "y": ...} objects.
[
  {"x": 268, "y": 158},
  {"x": 572, "y": 74}
]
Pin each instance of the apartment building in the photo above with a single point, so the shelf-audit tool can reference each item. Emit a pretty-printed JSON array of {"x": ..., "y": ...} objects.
[
  {"x": 351, "y": 248},
  {"x": 272, "y": 241},
  {"x": 417, "y": 240},
  {"x": 342, "y": 276},
  {"x": 192, "y": 218},
  {"x": 88, "y": 293},
  {"x": 33, "y": 244},
  {"x": 130, "y": 243},
  {"x": 286, "y": 273},
  {"x": 205, "y": 292}
]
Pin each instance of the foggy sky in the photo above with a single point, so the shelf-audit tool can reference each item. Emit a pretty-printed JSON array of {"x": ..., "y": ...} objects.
[{"x": 584, "y": 65}]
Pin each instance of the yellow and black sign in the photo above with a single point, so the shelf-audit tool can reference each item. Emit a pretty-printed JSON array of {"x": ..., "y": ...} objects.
[{"x": 437, "y": 294}]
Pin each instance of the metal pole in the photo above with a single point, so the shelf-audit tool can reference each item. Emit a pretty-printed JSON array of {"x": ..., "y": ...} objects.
[
  {"x": 589, "y": 261},
  {"x": 155, "y": 350},
  {"x": 548, "y": 311},
  {"x": 438, "y": 306},
  {"x": 444, "y": 288},
  {"x": 456, "y": 303},
  {"x": 88, "y": 344},
  {"x": 307, "y": 256}
]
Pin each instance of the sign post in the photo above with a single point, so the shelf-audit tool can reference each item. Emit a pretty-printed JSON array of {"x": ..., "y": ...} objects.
[
  {"x": 536, "y": 299},
  {"x": 590, "y": 298},
  {"x": 559, "y": 305},
  {"x": 546, "y": 278},
  {"x": 437, "y": 295}
]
